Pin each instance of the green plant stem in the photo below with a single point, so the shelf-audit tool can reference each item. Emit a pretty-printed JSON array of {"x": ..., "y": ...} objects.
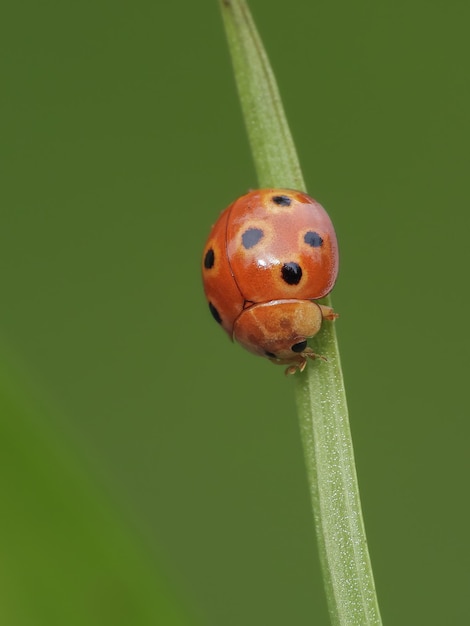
[
  {"x": 274, "y": 153},
  {"x": 320, "y": 393}
]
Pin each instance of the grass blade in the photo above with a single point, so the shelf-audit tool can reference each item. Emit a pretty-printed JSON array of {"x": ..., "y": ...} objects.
[
  {"x": 272, "y": 147},
  {"x": 320, "y": 394}
]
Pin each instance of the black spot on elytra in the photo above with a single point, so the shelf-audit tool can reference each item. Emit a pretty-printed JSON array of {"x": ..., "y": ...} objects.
[
  {"x": 251, "y": 237},
  {"x": 299, "y": 347},
  {"x": 215, "y": 313},
  {"x": 270, "y": 355},
  {"x": 209, "y": 259},
  {"x": 291, "y": 273},
  {"x": 282, "y": 200},
  {"x": 313, "y": 239}
]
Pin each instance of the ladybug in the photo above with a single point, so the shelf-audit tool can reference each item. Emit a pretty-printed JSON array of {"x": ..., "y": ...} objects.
[{"x": 269, "y": 256}]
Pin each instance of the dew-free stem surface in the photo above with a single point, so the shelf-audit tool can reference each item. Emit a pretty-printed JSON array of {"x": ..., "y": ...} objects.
[{"x": 320, "y": 394}]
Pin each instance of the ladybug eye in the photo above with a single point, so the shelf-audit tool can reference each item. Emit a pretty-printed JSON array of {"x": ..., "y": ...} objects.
[{"x": 299, "y": 347}]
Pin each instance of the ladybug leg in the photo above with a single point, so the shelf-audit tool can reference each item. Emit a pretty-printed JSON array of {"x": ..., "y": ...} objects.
[
  {"x": 292, "y": 369},
  {"x": 328, "y": 313},
  {"x": 299, "y": 364},
  {"x": 308, "y": 353}
]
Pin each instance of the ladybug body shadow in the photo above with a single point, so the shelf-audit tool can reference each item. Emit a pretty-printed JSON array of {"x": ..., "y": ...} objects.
[{"x": 269, "y": 256}]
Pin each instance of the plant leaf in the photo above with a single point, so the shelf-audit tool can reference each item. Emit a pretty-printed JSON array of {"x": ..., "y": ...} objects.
[{"x": 320, "y": 394}]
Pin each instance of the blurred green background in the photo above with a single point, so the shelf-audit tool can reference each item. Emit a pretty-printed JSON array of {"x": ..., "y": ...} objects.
[{"x": 151, "y": 472}]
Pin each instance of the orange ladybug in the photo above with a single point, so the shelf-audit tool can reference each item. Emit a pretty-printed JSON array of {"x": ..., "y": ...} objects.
[{"x": 269, "y": 256}]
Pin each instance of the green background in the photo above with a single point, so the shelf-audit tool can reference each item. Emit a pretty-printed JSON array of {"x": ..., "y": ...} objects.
[{"x": 151, "y": 472}]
